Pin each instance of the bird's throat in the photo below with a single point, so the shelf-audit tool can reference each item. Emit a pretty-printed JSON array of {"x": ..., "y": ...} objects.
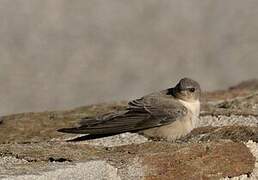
[{"x": 193, "y": 106}]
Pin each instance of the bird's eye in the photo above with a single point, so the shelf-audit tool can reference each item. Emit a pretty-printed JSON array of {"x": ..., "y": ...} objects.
[{"x": 191, "y": 89}]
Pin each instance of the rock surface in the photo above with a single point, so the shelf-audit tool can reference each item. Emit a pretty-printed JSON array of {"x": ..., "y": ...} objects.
[{"x": 31, "y": 148}]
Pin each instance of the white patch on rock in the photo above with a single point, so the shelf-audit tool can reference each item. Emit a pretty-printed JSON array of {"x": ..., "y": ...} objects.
[
  {"x": 90, "y": 170},
  {"x": 227, "y": 120},
  {"x": 134, "y": 170},
  {"x": 117, "y": 140}
]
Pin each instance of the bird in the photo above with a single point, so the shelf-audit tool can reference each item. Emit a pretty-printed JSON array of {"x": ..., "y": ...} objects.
[{"x": 168, "y": 114}]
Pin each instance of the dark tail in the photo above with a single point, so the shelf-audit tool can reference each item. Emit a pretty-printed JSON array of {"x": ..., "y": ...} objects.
[
  {"x": 71, "y": 130},
  {"x": 91, "y": 136},
  {"x": 86, "y": 137}
]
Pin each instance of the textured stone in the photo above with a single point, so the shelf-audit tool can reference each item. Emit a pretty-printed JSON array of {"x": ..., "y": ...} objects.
[
  {"x": 234, "y": 133},
  {"x": 201, "y": 161},
  {"x": 32, "y": 149},
  {"x": 90, "y": 170}
]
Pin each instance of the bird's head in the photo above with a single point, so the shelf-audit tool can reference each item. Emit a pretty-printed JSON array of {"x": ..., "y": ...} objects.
[{"x": 187, "y": 90}]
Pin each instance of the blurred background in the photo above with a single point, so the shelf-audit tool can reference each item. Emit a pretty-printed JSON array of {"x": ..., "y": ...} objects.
[{"x": 62, "y": 54}]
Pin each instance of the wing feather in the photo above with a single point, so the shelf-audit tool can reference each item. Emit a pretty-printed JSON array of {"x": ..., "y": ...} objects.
[{"x": 147, "y": 112}]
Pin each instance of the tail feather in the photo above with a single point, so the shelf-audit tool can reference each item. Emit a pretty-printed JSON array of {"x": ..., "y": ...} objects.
[
  {"x": 88, "y": 134},
  {"x": 72, "y": 130},
  {"x": 90, "y": 130},
  {"x": 89, "y": 137}
]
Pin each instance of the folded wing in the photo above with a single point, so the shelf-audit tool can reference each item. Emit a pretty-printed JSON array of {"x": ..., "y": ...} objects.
[{"x": 147, "y": 112}]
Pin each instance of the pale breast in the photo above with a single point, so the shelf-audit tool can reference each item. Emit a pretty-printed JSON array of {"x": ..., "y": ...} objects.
[{"x": 180, "y": 127}]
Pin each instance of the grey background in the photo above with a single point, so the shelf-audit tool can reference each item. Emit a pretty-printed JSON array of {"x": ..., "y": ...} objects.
[{"x": 59, "y": 54}]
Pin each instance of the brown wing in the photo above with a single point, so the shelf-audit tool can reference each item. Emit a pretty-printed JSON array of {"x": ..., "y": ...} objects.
[{"x": 147, "y": 112}]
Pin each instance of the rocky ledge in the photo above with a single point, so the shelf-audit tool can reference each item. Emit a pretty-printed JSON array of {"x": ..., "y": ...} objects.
[{"x": 224, "y": 145}]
